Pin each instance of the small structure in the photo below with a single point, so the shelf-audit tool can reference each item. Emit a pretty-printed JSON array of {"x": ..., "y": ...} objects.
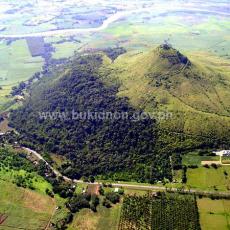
[
  {"x": 116, "y": 190},
  {"x": 223, "y": 153}
]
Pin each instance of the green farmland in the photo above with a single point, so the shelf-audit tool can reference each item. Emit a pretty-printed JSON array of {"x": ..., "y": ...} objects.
[{"x": 16, "y": 65}]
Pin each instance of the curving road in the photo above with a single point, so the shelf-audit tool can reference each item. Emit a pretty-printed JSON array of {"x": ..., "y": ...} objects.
[
  {"x": 124, "y": 185},
  {"x": 110, "y": 20}
]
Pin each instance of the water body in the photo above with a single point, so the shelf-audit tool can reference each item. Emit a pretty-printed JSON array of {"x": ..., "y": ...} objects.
[{"x": 111, "y": 19}]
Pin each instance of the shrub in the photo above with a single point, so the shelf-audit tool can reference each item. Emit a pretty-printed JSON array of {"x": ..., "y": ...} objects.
[
  {"x": 106, "y": 203},
  {"x": 113, "y": 197}
]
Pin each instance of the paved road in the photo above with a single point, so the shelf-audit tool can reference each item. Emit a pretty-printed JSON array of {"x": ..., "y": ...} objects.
[
  {"x": 133, "y": 186},
  {"x": 152, "y": 10}
]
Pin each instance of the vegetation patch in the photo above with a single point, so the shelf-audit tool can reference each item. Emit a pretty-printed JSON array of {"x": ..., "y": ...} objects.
[
  {"x": 108, "y": 145},
  {"x": 162, "y": 211}
]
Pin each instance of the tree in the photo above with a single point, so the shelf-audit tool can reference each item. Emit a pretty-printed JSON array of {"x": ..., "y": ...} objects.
[
  {"x": 113, "y": 197},
  {"x": 85, "y": 179},
  {"x": 77, "y": 202},
  {"x": 106, "y": 203},
  {"x": 94, "y": 202},
  {"x": 184, "y": 176},
  {"x": 91, "y": 179}
]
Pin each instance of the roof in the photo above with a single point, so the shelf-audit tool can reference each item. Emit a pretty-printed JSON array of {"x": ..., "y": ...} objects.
[{"x": 222, "y": 152}]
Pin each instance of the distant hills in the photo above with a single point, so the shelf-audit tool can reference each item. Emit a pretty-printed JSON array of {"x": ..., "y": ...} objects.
[{"x": 161, "y": 81}]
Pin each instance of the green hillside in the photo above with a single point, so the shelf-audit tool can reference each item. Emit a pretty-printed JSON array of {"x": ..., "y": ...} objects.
[
  {"x": 194, "y": 90},
  {"x": 106, "y": 144},
  {"x": 186, "y": 98}
]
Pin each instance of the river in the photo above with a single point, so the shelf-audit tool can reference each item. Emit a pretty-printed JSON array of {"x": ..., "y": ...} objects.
[{"x": 112, "y": 19}]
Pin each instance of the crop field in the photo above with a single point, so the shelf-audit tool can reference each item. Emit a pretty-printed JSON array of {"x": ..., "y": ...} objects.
[
  {"x": 24, "y": 209},
  {"x": 16, "y": 63},
  {"x": 161, "y": 212},
  {"x": 214, "y": 214}
]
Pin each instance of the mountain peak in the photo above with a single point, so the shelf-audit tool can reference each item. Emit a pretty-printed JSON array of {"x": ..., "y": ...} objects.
[{"x": 173, "y": 56}]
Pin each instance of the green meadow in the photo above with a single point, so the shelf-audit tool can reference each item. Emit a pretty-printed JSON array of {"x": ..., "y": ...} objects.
[
  {"x": 214, "y": 214},
  {"x": 65, "y": 50},
  {"x": 193, "y": 158},
  {"x": 203, "y": 178}
]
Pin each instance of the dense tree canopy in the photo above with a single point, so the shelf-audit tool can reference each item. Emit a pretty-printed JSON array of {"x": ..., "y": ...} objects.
[{"x": 93, "y": 146}]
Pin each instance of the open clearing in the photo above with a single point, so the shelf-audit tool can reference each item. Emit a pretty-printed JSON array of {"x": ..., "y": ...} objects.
[
  {"x": 103, "y": 219},
  {"x": 209, "y": 178},
  {"x": 194, "y": 159},
  {"x": 65, "y": 50}
]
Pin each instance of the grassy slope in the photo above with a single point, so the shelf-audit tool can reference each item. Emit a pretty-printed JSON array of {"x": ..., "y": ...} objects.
[
  {"x": 214, "y": 214},
  {"x": 100, "y": 220},
  {"x": 25, "y": 208},
  {"x": 196, "y": 97}
]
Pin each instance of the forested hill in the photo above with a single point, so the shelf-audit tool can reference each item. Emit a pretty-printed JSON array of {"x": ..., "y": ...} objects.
[
  {"x": 161, "y": 80},
  {"x": 93, "y": 146}
]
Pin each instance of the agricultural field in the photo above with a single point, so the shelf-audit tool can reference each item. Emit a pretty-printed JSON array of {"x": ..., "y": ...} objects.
[
  {"x": 214, "y": 214},
  {"x": 16, "y": 65},
  {"x": 159, "y": 212}
]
